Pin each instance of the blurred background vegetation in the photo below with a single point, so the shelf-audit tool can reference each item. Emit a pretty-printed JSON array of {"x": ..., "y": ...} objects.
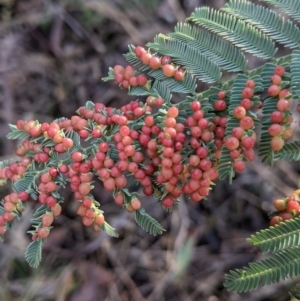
[{"x": 53, "y": 55}]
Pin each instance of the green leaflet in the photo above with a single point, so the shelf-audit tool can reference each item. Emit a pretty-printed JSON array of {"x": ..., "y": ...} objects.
[
  {"x": 295, "y": 73},
  {"x": 23, "y": 184},
  {"x": 291, "y": 7},
  {"x": 2, "y": 210},
  {"x": 108, "y": 229},
  {"x": 140, "y": 91},
  {"x": 162, "y": 91},
  {"x": 265, "y": 150},
  {"x": 33, "y": 253},
  {"x": 278, "y": 238},
  {"x": 225, "y": 168},
  {"x": 135, "y": 61},
  {"x": 188, "y": 85},
  {"x": 148, "y": 223},
  {"x": 239, "y": 33},
  {"x": 6, "y": 163},
  {"x": 236, "y": 94},
  {"x": 157, "y": 89},
  {"x": 75, "y": 137},
  {"x": 269, "y": 106},
  {"x": 190, "y": 58},
  {"x": 221, "y": 52},
  {"x": 16, "y": 133},
  {"x": 203, "y": 54},
  {"x": 290, "y": 151},
  {"x": 272, "y": 24},
  {"x": 265, "y": 272},
  {"x": 40, "y": 211},
  {"x": 267, "y": 72},
  {"x": 110, "y": 75}
]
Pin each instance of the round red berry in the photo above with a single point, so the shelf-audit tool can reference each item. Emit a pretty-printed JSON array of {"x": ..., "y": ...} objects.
[
  {"x": 250, "y": 83},
  {"x": 283, "y": 105},
  {"x": 145, "y": 58},
  {"x": 118, "y": 69},
  {"x": 279, "y": 70},
  {"x": 220, "y": 105},
  {"x": 239, "y": 112},
  {"x": 135, "y": 203},
  {"x": 154, "y": 63},
  {"x": 239, "y": 166},
  {"x": 23, "y": 196},
  {"x": 246, "y": 123},
  {"x": 47, "y": 219},
  {"x": 292, "y": 207},
  {"x": 248, "y": 143},
  {"x": 195, "y": 105},
  {"x": 43, "y": 233},
  {"x": 179, "y": 75},
  {"x": 133, "y": 81},
  {"x": 232, "y": 143},
  {"x": 166, "y": 60},
  {"x": 279, "y": 204},
  {"x": 221, "y": 94},
  {"x": 139, "y": 51},
  {"x": 77, "y": 156},
  {"x": 84, "y": 188},
  {"x": 141, "y": 80},
  {"x": 276, "y": 117},
  {"x": 173, "y": 112},
  {"x": 276, "y": 79},
  {"x": 275, "y": 220},
  {"x": 167, "y": 201},
  {"x": 275, "y": 129},
  {"x": 247, "y": 92},
  {"x": 246, "y": 103},
  {"x": 168, "y": 70},
  {"x": 277, "y": 143},
  {"x": 273, "y": 90}
]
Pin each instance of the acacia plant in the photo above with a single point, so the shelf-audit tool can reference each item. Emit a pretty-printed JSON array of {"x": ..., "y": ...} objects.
[{"x": 171, "y": 148}]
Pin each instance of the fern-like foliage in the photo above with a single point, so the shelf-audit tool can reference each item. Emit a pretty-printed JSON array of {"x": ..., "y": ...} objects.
[
  {"x": 290, "y": 151},
  {"x": 192, "y": 59},
  {"x": 15, "y": 133},
  {"x": 24, "y": 184},
  {"x": 158, "y": 89},
  {"x": 206, "y": 43},
  {"x": 134, "y": 61},
  {"x": 6, "y": 163},
  {"x": 266, "y": 153},
  {"x": 291, "y": 7},
  {"x": 238, "y": 32},
  {"x": 212, "y": 41},
  {"x": 223, "y": 53},
  {"x": 295, "y": 73},
  {"x": 161, "y": 90},
  {"x": 188, "y": 85},
  {"x": 225, "y": 162},
  {"x": 33, "y": 253},
  {"x": 282, "y": 236},
  {"x": 148, "y": 223},
  {"x": 272, "y": 24},
  {"x": 108, "y": 229},
  {"x": 282, "y": 265},
  {"x": 225, "y": 168}
]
